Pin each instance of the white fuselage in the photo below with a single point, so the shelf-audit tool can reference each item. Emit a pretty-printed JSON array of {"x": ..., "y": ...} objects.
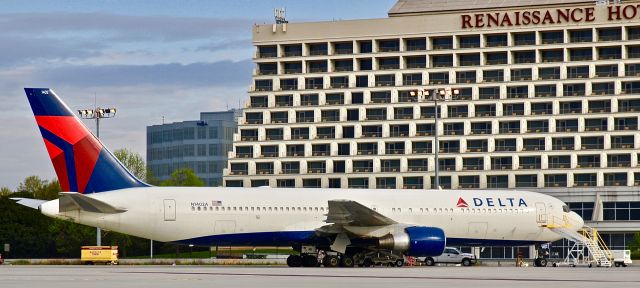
[{"x": 179, "y": 214}]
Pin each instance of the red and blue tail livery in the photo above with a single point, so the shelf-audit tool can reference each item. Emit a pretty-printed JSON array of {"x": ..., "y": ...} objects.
[{"x": 81, "y": 162}]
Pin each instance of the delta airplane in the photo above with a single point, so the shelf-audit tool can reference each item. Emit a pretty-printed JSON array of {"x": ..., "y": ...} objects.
[{"x": 101, "y": 192}]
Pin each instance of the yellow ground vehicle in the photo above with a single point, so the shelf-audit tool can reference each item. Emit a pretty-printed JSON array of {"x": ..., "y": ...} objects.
[{"x": 99, "y": 254}]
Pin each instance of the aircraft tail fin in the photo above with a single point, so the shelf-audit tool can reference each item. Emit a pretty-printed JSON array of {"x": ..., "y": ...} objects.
[{"x": 82, "y": 163}]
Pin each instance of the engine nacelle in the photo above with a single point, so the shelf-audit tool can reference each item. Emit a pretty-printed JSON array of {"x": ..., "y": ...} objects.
[{"x": 415, "y": 241}]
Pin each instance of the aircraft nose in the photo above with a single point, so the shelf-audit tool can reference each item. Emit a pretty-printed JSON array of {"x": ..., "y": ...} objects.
[{"x": 576, "y": 220}]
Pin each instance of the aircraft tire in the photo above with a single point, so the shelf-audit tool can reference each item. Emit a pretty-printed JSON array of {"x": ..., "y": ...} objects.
[
  {"x": 346, "y": 261},
  {"x": 309, "y": 261},
  {"x": 294, "y": 261},
  {"x": 331, "y": 261}
]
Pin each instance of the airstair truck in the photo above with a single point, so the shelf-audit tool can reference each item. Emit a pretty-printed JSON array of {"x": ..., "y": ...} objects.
[{"x": 99, "y": 255}]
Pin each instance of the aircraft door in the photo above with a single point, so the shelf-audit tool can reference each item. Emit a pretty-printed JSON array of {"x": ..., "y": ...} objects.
[
  {"x": 169, "y": 210},
  {"x": 541, "y": 213}
]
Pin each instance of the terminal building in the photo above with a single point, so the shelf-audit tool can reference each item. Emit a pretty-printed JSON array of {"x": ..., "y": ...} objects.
[
  {"x": 547, "y": 98},
  {"x": 200, "y": 145}
]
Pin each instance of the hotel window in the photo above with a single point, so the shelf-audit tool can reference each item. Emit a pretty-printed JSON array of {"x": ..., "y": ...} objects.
[
  {"x": 453, "y": 128},
  {"x": 342, "y": 65},
  {"x": 545, "y": 91},
  {"x": 526, "y": 38},
  {"x": 559, "y": 162},
  {"x": 248, "y": 135},
  {"x": 362, "y": 81},
  {"x": 441, "y": 60},
  {"x": 274, "y": 134},
  {"x": 340, "y": 48},
  {"x": 365, "y": 64},
  {"x": 388, "y": 63},
  {"x": 326, "y": 132},
  {"x": 330, "y": 115},
  {"x": 267, "y": 51},
  {"x": 629, "y": 105},
  {"x": 542, "y": 108},
  {"x": 403, "y": 113},
  {"x": 509, "y": 127},
  {"x": 425, "y": 129},
  {"x": 526, "y": 181},
  {"x": 551, "y": 37},
  {"x": 445, "y": 182},
  {"x": 439, "y": 78},
  {"x": 447, "y": 164},
  {"x": 365, "y": 46},
  {"x": 477, "y": 146},
  {"x": 497, "y": 181},
  {"x": 592, "y": 143},
  {"x": 372, "y": 131},
  {"x": 267, "y": 68},
  {"x": 520, "y": 74},
  {"x": 380, "y": 97},
  {"x": 486, "y": 93},
  {"x": 289, "y": 84},
  {"x": 386, "y": 183},
  {"x": 488, "y": 110},
  {"x": 458, "y": 111},
  {"x": 607, "y": 70},
  {"x": 517, "y": 92},
  {"x": 469, "y": 182},
  {"x": 577, "y": 89},
  {"x": 415, "y": 62},
  {"x": 292, "y": 50},
  {"x": 578, "y": 36},
  {"x": 615, "y": 179},
  {"x": 586, "y": 179},
  {"x": 239, "y": 168},
  {"x": 421, "y": 147},
  {"x": 259, "y": 101},
  {"x": 627, "y": 123},
  {"x": 607, "y": 88},
  {"x": 334, "y": 99},
  {"x": 385, "y": 80},
  {"x": 417, "y": 165},
  {"x": 295, "y": 150},
  {"x": 563, "y": 143},
  {"x": 317, "y": 66},
  {"x": 493, "y": 75},
  {"x": 580, "y": 54},
  {"x": 318, "y": 49},
  {"x": 618, "y": 160},
  {"x": 576, "y": 72},
  {"x": 284, "y": 100},
  {"x": 481, "y": 127},
  {"x": 269, "y": 151},
  {"x": 311, "y": 183},
  {"x": 505, "y": 145},
  {"x": 469, "y": 59},
  {"x": 469, "y": 41},
  {"x": 573, "y": 107},
  {"x": 334, "y": 183},
  {"x": 608, "y": 53},
  {"x": 399, "y": 130},
  {"x": 599, "y": 106},
  {"x": 622, "y": 142},
  {"x": 394, "y": 148},
  {"x": 259, "y": 183},
  {"x": 300, "y": 133},
  {"x": 416, "y": 44},
  {"x": 549, "y": 73},
  {"x": 621, "y": 211},
  {"x": 633, "y": 52},
  {"x": 264, "y": 168},
  {"x": 465, "y": 94},
  {"x": 588, "y": 161},
  {"x": 253, "y": 118},
  {"x": 413, "y": 183},
  {"x": 633, "y": 33},
  {"x": 495, "y": 58},
  {"x": 466, "y": 76},
  {"x": 284, "y": 183},
  {"x": 609, "y": 34},
  {"x": 429, "y": 112},
  {"x": 533, "y": 144},
  {"x": 452, "y": 146},
  {"x": 530, "y": 162},
  {"x": 514, "y": 109},
  {"x": 391, "y": 45},
  {"x": 523, "y": 57},
  {"x": 567, "y": 125},
  {"x": 404, "y": 96},
  {"x": 631, "y": 70},
  {"x": 412, "y": 79},
  {"x": 291, "y": 167},
  {"x": 440, "y": 43},
  {"x": 473, "y": 163},
  {"x": 361, "y": 166},
  {"x": 309, "y": 100},
  {"x": 496, "y": 40},
  {"x": 263, "y": 85},
  {"x": 555, "y": 180},
  {"x": 339, "y": 82},
  {"x": 344, "y": 149},
  {"x": 316, "y": 167},
  {"x": 554, "y": 55}
]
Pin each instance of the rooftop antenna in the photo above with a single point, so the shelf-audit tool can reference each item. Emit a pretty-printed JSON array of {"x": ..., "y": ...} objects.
[{"x": 280, "y": 15}]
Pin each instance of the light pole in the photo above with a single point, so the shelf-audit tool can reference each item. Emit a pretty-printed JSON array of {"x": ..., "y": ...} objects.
[
  {"x": 97, "y": 114},
  {"x": 443, "y": 94}
]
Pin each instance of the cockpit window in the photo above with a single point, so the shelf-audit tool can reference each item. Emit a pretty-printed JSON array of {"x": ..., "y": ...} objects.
[{"x": 566, "y": 209}]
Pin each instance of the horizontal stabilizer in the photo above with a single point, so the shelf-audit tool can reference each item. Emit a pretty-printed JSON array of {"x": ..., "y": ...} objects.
[
  {"x": 70, "y": 201},
  {"x": 31, "y": 203}
]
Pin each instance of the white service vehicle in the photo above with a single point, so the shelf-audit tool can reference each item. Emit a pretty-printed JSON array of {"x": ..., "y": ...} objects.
[
  {"x": 621, "y": 257},
  {"x": 451, "y": 255}
]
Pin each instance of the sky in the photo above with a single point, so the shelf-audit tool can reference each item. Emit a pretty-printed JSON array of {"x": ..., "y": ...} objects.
[{"x": 149, "y": 59}]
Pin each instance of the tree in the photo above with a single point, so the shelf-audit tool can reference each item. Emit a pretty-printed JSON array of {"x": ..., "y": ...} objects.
[
  {"x": 40, "y": 189},
  {"x": 133, "y": 161},
  {"x": 4, "y": 192},
  {"x": 634, "y": 246},
  {"x": 32, "y": 184},
  {"x": 183, "y": 177}
]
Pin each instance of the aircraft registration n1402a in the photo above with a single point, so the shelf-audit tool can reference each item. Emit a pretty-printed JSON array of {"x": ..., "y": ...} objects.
[{"x": 344, "y": 223}]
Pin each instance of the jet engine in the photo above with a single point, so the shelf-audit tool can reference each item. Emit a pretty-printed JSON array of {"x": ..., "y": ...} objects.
[{"x": 415, "y": 241}]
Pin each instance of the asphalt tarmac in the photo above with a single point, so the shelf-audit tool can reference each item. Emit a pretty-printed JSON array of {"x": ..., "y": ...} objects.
[{"x": 277, "y": 276}]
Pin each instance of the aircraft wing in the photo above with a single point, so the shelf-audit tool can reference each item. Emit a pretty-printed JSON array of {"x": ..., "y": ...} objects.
[
  {"x": 72, "y": 201},
  {"x": 352, "y": 213}
]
